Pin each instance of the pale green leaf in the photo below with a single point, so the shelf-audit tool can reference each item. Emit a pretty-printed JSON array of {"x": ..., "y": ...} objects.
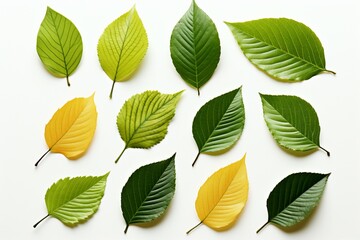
[
  {"x": 195, "y": 47},
  {"x": 219, "y": 123},
  {"x": 144, "y": 118},
  {"x": 294, "y": 198},
  {"x": 122, "y": 47},
  {"x": 74, "y": 200},
  {"x": 285, "y": 49},
  {"x": 292, "y": 122},
  {"x": 59, "y": 45},
  {"x": 148, "y": 192}
]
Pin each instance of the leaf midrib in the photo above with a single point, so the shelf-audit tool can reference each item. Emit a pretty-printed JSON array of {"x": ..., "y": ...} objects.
[
  {"x": 59, "y": 207},
  {"x": 60, "y": 43},
  {"x": 147, "y": 195},
  {"x": 296, "y": 199},
  {"x": 219, "y": 122},
  {"x": 222, "y": 195},
  {"x": 147, "y": 118},
  {"x": 193, "y": 43},
  {"x": 285, "y": 52},
  {"x": 122, "y": 45},
  {"x": 291, "y": 124},
  {"x": 71, "y": 125}
]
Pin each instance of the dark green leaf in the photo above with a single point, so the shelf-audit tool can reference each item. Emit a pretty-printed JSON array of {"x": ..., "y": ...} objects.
[
  {"x": 195, "y": 47},
  {"x": 294, "y": 198},
  {"x": 219, "y": 123},
  {"x": 148, "y": 192}
]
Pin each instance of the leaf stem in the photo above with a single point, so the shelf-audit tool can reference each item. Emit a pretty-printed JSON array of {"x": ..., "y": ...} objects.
[
  {"x": 327, "y": 152},
  {"x": 35, "y": 225},
  {"x": 122, "y": 152},
  {"x": 67, "y": 80},
  {"x": 197, "y": 156},
  {"x": 37, "y": 163},
  {"x": 329, "y": 71},
  {"x": 262, "y": 227},
  {"x": 112, "y": 89},
  {"x": 127, "y": 227},
  {"x": 194, "y": 227},
  {"x": 198, "y": 90}
]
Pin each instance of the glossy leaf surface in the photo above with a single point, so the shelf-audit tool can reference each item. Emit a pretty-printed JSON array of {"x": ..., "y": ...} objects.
[
  {"x": 195, "y": 47},
  {"x": 285, "y": 49},
  {"x": 219, "y": 123},
  {"x": 292, "y": 121},
  {"x": 148, "y": 192},
  {"x": 294, "y": 198}
]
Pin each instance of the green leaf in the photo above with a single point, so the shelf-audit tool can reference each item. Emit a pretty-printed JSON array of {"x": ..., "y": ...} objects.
[
  {"x": 219, "y": 123},
  {"x": 195, "y": 47},
  {"x": 144, "y": 118},
  {"x": 292, "y": 122},
  {"x": 148, "y": 192},
  {"x": 74, "y": 200},
  {"x": 285, "y": 49},
  {"x": 59, "y": 45},
  {"x": 294, "y": 198},
  {"x": 122, "y": 47}
]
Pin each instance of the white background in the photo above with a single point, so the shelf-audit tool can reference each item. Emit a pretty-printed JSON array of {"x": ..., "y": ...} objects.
[{"x": 29, "y": 96}]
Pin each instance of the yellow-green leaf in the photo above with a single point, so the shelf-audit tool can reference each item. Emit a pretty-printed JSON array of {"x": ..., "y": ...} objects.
[
  {"x": 122, "y": 46},
  {"x": 74, "y": 200},
  {"x": 223, "y": 196},
  {"x": 144, "y": 119},
  {"x": 71, "y": 128}
]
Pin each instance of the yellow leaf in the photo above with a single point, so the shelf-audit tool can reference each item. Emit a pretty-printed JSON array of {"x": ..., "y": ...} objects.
[
  {"x": 72, "y": 128},
  {"x": 223, "y": 196}
]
